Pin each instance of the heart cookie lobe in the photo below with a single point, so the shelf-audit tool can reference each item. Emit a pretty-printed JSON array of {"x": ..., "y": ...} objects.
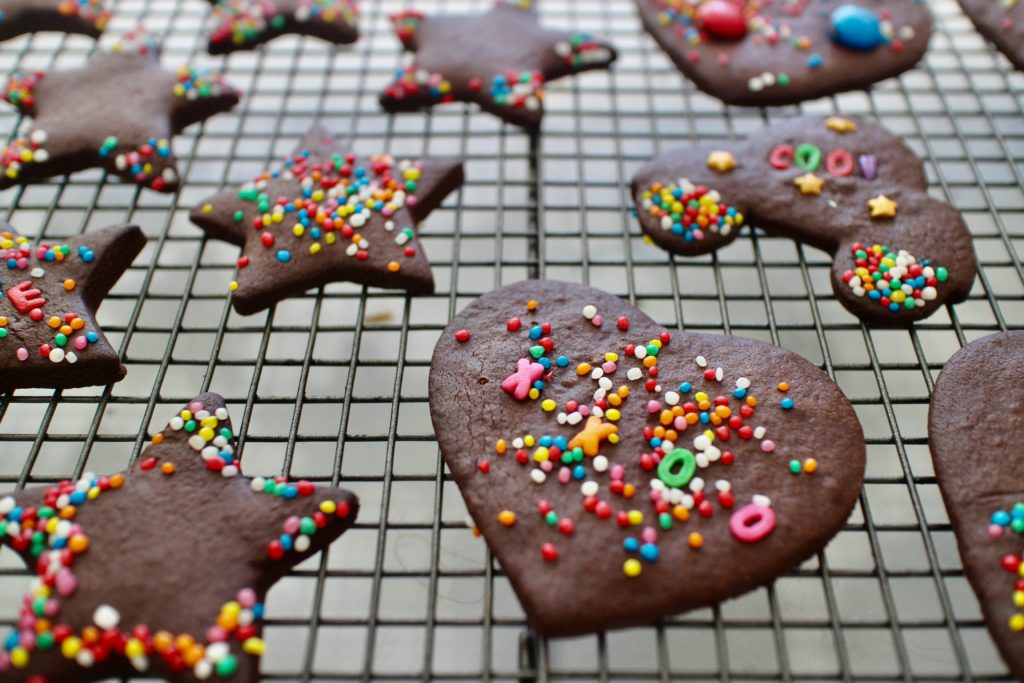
[
  {"x": 644, "y": 472},
  {"x": 979, "y": 467},
  {"x": 840, "y": 184}
]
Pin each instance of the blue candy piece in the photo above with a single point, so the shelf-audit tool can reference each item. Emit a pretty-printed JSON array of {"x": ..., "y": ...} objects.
[
  {"x": 855, "y": 27},
  {"x": 1001, "y": 517},
  {"x": 631, "y": 545},
  {"x": 649, "y": 552}
]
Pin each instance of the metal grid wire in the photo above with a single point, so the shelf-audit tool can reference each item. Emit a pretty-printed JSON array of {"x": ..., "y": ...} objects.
[{"x": 332, "y": 386}]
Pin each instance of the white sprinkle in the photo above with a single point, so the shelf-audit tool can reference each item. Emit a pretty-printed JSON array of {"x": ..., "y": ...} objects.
[
  {"x": 210, "y": 452},
  {"x": 562, "y": 417},
  {"x": 85, "y": 658},
  {"x": 589, "y": 311},
  {"x": 219, "y": 441},
  {"x": 701, "y": 442},
  {"x": 139, "y": 662},
  {"x": 605, "y": 383},
  {"x": 701, "y": 361},
  {"x": 574, "y": 418},
  {"x": 589, "y": 488},
  {"x": 671, "y": 398},
  {"x": 743, "y": 383},
  {"x": 719, "y": 374},
  {"x": 302, "y": 543},
  {"x": 38, "y": 136},
  {"x": 196, "y": 442},
  {"x": 634, "y": 374},
  {"x": 229, "y": 471},
  {"x": 761, "y": 500},
  {"x": 597, "y": 412},
  {"x": 38, "y": 272},
  {"x": 640, "y": 351},
  {"x": 601, "y": 464},
  {"x": 687, "y": 501},
  {"x": 713, "y": 453},
  {"x": 217, "y": 651},
  {"x": 596, "y": 373},
  {"x": 759, "y": 432},
  {"x": 106, "y": 617},
  {"x": 56, "y": 355},
  {"x": 71, "y": 357},
  {"x": 6, "y": 504},
  {"x": 176, "y": 423},
  {"x": 696, "y": 484},
  {"x": 203, "y": 669},
  {"x": 658, "y": 485},
  {"x": 538, "y": 476},
  {"x": 517, "y": 442},
  {"x": 257, "y": 484},
  {"x": 723, "y": 485},
  {"x": 702, "y": 460}
]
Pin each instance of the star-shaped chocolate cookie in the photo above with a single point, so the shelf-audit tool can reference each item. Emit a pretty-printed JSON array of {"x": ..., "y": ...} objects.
[
  {"x": 501, "y": 60},
  {"x": 88, "y": 17},
  {"x": 244, "y": 24},
  {"x": 49, "y": 294},
  {"x": 162, "y": 570},
  {"x": 117, "y": 112},
  {"x": 328, "y": 216}
]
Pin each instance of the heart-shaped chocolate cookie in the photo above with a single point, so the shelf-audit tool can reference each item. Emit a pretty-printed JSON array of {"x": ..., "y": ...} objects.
[
  {"x": 980, "y": 469},
  {"x": 840, "y": 184},
  {"x": 1002, "y": 23},
  {"x": 748, "y": 52},
  {"x": 621, "y": 473}
]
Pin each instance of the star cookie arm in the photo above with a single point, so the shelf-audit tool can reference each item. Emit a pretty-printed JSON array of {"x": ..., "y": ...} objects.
[
  {"x": 110, "y": 252},
  {"x": 438, "y": 179},
  {"x": 20, "y": 90},
  {"x": 27, "y": 16},
  {"x": 244, "y": 24},
  {"x": 198, "y": 95}
]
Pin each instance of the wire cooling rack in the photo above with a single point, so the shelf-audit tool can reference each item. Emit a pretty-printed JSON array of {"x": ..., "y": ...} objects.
[{"x": 332, "y": 386}]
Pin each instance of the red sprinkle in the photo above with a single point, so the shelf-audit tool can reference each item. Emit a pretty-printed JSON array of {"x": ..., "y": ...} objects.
[
  {"x": 462, "y": 336},
  {"x": 549, "y": 552}
]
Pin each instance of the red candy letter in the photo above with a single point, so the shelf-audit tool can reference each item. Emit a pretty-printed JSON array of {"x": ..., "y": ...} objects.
[
  {"x": 781, "y": 157},
  {"x": 839, "y": 162}
]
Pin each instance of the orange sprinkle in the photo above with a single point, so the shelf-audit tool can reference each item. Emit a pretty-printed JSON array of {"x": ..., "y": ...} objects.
[
  {"x": 78, "y": 543},
  {"x": 696, "y": 540},
  {"x": 506, "y": 518},
  {"x": 394, "y": 266},
  {"x": 158, "y": 439},
  {"x": 69, "y": 285},
  {"x": 783, "y": 386},
  {"x": 810, "y": 464},
  {"x": 680, "y": 513},
  {"x": 501, "y": 447},
  {"x": 167, "y": 468},
  {"x": 116, "y": 481},
  {"x": 531, "y": 305}
]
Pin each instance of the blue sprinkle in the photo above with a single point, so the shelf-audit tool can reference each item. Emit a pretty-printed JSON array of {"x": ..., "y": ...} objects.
[
  {"x": 546, "y": 362},
  {"x": 787, "y": 404},
  {"x": 579, "y": 472},
  {"x": 92, "y": 337},
  {"x": 562, "y": 361},
  {"x": 290, "y": 492},
  {"x": 631, "y": 545},
  {"x": 561, "y": 442},
  {"x": 284, "y": 256},
  {"x": 685, "y": 387},
  {"x": 536, "y": 332},
  {"x": 655, "y": 442},
  {"x": 545, "y": 441},
  {"x": 1001, "y": 517},
  {"x": 705, "y": 418},
  {"x": 538, "y": 385},
  {"x": 739, "y": 393},
  {"x": 286, "y": 542},
  {"x": 77, "y": 498},
  {"x": 649, "y": 552}
]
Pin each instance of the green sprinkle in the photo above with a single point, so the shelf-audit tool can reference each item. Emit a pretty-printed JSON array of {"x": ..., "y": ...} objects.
[
  {"x": 307, "y": 526},
  {"x": 795, "y": 467},
  {"x": 536, "y": 351},
  {"x": 941, "y": 274}
]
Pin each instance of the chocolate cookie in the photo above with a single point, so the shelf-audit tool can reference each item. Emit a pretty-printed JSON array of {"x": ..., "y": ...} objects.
[
  {"x": 747, "y": 52},
  {"x": 599, "y": 454},
  {"x": 49, "y": 337},
  {"x": 162, "y": 570},
  {"x": 1002, "y": 22},
  {"x": 244, "y": 24},
  {"x": 328, "y": 216},
  {"x": 501, "y": 60},
  {"x": 979, "y": 466},
  {"x": 840, "y": 184},
  {"x": 118, "y": 112},
  {"x": 88, "y": 17}
]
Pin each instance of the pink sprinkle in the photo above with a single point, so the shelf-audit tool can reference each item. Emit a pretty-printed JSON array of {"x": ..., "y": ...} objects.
[
  {"x": 247, "y": 597},
  {"x": 215, "y": 634},
  {"x": 564, "y": 475},
  {"x": 995, "y": 531},
  {"x": 27, "y": 640},
  {"x": 649, "y": 535},
  {"x": 584, "y": 411},
  {"x": 679, "y": 422},
  {"x": 767, "y": 445},
  {"x": 597, "y": 320},
  {"x": 195, "y": 406},
  {"x": 51, "y": 608},
  {"x": 609, "y": 367},
  {"x": 80, "y": 343},
  {"x": 411, "y": 200},
  {"x": 5, "y": 662},
  {"x": 547, "y": 466},
  {"x": 653, "y": 407},
  {"x": 66, "y": 583},
  {"x": 654, "y": 495},
  {"x": 617, "y": 473},
  {"x": 22, "y": 354},
  {"x": 291, "y": 525}
]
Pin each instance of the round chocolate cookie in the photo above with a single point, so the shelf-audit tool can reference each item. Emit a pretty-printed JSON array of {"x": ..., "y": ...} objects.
[
  {"x": 840, "y": 184},
  {"x": 979, "y": 466},
  {"x": 747, "y": 52},
  {"x": 622, "y": 473}
]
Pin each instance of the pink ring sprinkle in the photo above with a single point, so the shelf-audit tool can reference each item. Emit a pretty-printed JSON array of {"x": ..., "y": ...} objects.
[{"x": 751, "y": 523}]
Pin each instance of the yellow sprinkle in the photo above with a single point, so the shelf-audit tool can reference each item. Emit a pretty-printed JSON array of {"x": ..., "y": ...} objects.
[
  {"x": 632, "y": 567},
  {"x": 548, "y": 405},
  {"x": 612, "y": 414}
]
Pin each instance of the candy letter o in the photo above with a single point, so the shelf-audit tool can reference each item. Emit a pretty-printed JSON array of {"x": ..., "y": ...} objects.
[
  {"x": 687, "y": 467},
  {"x": 751, "y": 523}
]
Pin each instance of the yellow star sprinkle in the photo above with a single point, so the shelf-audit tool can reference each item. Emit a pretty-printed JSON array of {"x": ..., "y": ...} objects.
[
  {"x": 721, "y": 161},
  {"x": 809, "y": 183},
  {"x": 882, "y": 207},
  {"x": 840, "y": 124}
]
